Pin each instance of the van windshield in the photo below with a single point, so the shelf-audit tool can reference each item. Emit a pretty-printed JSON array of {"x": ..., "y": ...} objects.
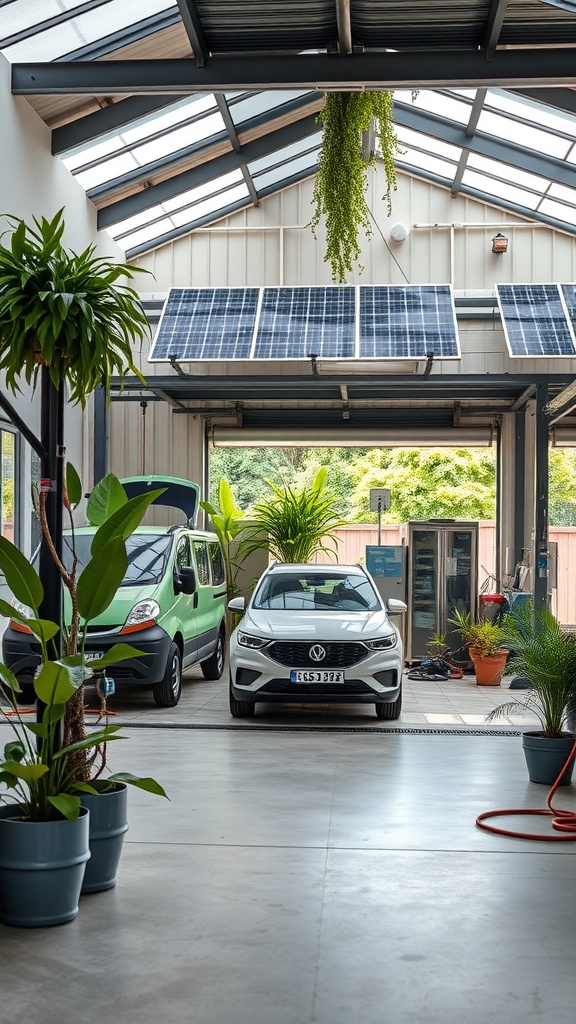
[{"x": 147, "y": 555}]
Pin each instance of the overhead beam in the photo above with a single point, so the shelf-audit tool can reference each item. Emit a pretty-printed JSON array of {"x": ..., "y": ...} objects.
[
  {"x": 477, "y": 108},
  {"x": 344, "y": 23},
  {"x": 109, "y": 119},
  {"x": 418, "y": 69},
  {"x": 455, "y": 134},
  {"x": 494, "y": 27},
  {"x": 194, "y": 31},
  {"x": 206, "y": 172}
]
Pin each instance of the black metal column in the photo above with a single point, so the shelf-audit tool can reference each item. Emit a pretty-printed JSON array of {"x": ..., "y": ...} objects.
[
  {"x": 540, "y": 546},
  {"x": 519, "y": 485},
  {"x": 499, "y": 471},
  {"x": 100, "y": 434},
  {"x": 51, "y": 484}
]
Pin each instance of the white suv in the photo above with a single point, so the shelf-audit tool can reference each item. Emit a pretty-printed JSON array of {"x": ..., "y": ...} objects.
[{"x": 316, "y": 633}]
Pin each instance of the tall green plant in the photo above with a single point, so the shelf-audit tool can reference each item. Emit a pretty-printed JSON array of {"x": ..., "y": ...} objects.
[
  {"x": 340, "y": 185},
  {"x": 545, "y": 655},
  {"x": 65, "y": 310},
  {"x": 295, "y": 523},
  {"x": 228, "y": 522}
]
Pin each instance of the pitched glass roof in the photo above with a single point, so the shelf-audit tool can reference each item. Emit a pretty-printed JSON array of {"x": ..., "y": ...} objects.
[{"x": 180, "y": 162}]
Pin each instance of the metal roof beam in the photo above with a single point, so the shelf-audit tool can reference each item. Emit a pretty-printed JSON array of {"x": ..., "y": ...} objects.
[
  {"x": 495, "y": 149},
  {"x": 477, "y": 108},
  {"x": 111, "y": 118},
  {"x": 494, "y": 27},
  {"x": 344, "y": 22},
  {"x": 419, "y": 69},
  {"x": 203, "y": 173},
  {"x": 194, "y": 31}
]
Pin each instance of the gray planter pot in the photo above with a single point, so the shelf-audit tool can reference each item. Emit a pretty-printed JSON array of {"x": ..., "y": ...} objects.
[
  {"x": 41, "y": 869},
  {"x": 108, "y": 826},
  {"x": 545, "y": 757}
]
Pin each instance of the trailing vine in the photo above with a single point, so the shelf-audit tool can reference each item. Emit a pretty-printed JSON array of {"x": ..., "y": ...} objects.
[{"x": 340, "y": 185}]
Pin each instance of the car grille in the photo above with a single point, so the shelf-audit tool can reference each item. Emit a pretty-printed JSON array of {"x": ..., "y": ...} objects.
[
  {"x": 297, "y": 655},
  {"x": 283, "y": 686}
]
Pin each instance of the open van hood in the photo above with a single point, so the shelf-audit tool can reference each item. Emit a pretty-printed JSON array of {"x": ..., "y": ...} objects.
[{"x": 179, "y": 493}]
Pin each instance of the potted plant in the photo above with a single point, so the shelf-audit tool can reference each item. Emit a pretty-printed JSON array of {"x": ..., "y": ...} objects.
[
  {"x": 65, "y": 310},
  {"x": 545, "y": 655},
  {"x": 294, "y": 525},
  {"x": 46, "y": 771},
  {"x": 485, "y": 645}
]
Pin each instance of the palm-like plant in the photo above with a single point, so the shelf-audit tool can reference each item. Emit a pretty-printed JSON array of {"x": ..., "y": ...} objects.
[
  {"x": 64, "y": 310},
  {"x": 228, "y": 521},
  {"x": 545, "y": 655},
  {"x": 295, "y": 524}
]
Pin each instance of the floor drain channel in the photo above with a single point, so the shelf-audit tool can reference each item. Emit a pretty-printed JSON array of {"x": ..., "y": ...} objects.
[{"x": 404, "y": 731}]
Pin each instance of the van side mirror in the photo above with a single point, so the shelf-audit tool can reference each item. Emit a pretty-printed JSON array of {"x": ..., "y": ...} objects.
[
  {"x": 237, "y": 604},
  {"x": 185, "y": 581},
  {"x": 395, "y": 607}
]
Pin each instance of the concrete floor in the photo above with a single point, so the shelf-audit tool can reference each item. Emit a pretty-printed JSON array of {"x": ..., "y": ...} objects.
[{"x": 313, "y": 877}]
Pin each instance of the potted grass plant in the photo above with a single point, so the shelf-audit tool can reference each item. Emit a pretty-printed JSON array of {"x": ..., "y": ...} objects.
[
  {"x": 47, "y": 772},
  {"x": 486, "y": 646},
  {"x": 545, "y": 655}
]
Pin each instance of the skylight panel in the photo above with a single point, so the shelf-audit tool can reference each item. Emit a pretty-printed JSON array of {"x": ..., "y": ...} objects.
[
  {"x": 427, "y": 162},
  {"x": 81, "y": 30},
  {"x": 449, "y": 107},
  {"x": 94, "y": 176},
  {"x": 254, "y": 104},
  {"x": 542, "y": 115},
  {"x": 181, "y": 138},
  {"x": 287, "y": 170},
  {"x": 500, "y": 190},
  {"x": 285, "y": 154},
  {"x": 560, "y": 211},
  {"x": 525, "y": 135},
  {"x": 408, "y": 137},
  {"x": 506, "y": 172},
  {"x": 193, "y": 195},
  {"x": 170, "y": 118},
  {"x": 211, "y": 205}
]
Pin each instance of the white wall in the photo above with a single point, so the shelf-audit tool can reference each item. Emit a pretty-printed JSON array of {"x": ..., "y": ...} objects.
[{"x": 33, "y": 183}]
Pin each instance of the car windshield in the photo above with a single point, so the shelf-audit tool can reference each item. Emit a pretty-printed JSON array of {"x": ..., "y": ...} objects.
[
  {"x": 317, "y": 592},
  {"x": 147, "y": 555}
]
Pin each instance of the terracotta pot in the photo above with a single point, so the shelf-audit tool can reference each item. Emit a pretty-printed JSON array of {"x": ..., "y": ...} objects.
[{"x": 489, "y": 668}]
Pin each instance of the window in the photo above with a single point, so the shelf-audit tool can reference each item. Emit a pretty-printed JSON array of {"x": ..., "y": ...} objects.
[
  {"x": 183, "y": 559},
  {"x": 8, "y": 485},
  {"x": 202, "y": 563},
  {"x": 217, "y": 564}
]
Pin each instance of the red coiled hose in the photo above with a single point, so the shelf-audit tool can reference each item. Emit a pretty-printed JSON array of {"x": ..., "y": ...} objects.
[{"x": 562, "y": 820}]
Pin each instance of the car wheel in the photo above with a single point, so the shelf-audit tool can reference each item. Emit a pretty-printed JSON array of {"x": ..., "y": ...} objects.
[
  {"x": 390, "y": 712},
  {"x": 27, "y": 693},
  {"x": 241, "y": 708},
  {"x": 167, "y": 691},
  {"x": 213, "y": 667}
]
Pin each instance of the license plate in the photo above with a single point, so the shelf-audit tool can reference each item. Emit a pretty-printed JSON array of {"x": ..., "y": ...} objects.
[
  {"x": 315, "y": 676},
  {"x": 93, "y": 655}
]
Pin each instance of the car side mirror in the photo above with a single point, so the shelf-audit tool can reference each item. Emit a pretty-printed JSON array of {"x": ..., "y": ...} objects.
[
  {"x": 237, "y": 604},
  {"x": 396, "y": 607},
  {"x": 185, "y": 581}
]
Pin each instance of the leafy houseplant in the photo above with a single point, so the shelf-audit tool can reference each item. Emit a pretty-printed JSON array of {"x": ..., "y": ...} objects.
[
  {"x": 44, "y": 779},
  {"x": 545, "y": 655},
  {"x": 228, "y": 522},
  {"x": 340, "y": 184},
  {"x": 293, "y": 524},
  {"x": 64, "y": 310},
  {"x": 484, "y": 640}
]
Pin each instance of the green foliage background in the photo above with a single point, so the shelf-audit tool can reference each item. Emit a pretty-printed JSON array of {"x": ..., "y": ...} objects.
[{"x": 424, "y": 483}]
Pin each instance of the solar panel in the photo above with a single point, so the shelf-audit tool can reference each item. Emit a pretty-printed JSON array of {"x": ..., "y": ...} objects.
[
  {"x": 206, "y": 323},
  {"x": 569, "y": 296},
  {"x": 298, "y": 322},
  {"x": 535, "y": 320},
  {"x": 407, "y": 322}
]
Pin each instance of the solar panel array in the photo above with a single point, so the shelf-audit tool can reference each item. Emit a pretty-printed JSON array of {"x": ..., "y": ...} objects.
[
  {"x": 334, "y": 322},
  {"x": 401, "y": 322},
  {"x": 538, "y": 319}
]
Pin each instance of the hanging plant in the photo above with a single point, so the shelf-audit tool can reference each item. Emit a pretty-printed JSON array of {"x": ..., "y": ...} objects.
[
  {"x": 65, "y": 310},
  {"x": 340, "y": 184}
]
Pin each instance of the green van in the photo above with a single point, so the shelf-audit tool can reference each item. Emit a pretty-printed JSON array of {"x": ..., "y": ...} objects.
[{"x": 171, "y": 603}]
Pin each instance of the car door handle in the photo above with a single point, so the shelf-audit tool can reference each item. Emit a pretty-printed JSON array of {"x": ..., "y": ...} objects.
[{"x": 195, "y": 602}]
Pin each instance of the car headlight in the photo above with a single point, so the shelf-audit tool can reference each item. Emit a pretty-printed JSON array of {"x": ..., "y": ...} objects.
[
  {"x": 254, "y": 642},
  {"x": 383, "y": 643},
  {"x": 142, "y": 616}
]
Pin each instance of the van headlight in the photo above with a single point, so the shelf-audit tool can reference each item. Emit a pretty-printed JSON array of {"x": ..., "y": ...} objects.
[
  {"x": 142, "y": 616},
  {"x": 383, "y": 643},
  {"x": 248, "y": 640}
]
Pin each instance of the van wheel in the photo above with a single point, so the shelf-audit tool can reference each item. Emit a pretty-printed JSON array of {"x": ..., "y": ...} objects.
[
  {"x": 167, "y": 691},
  {"x": 241, "y": 708},
  {"x": 390, "y": 712},
  {"x": 213, "y": 667}
]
